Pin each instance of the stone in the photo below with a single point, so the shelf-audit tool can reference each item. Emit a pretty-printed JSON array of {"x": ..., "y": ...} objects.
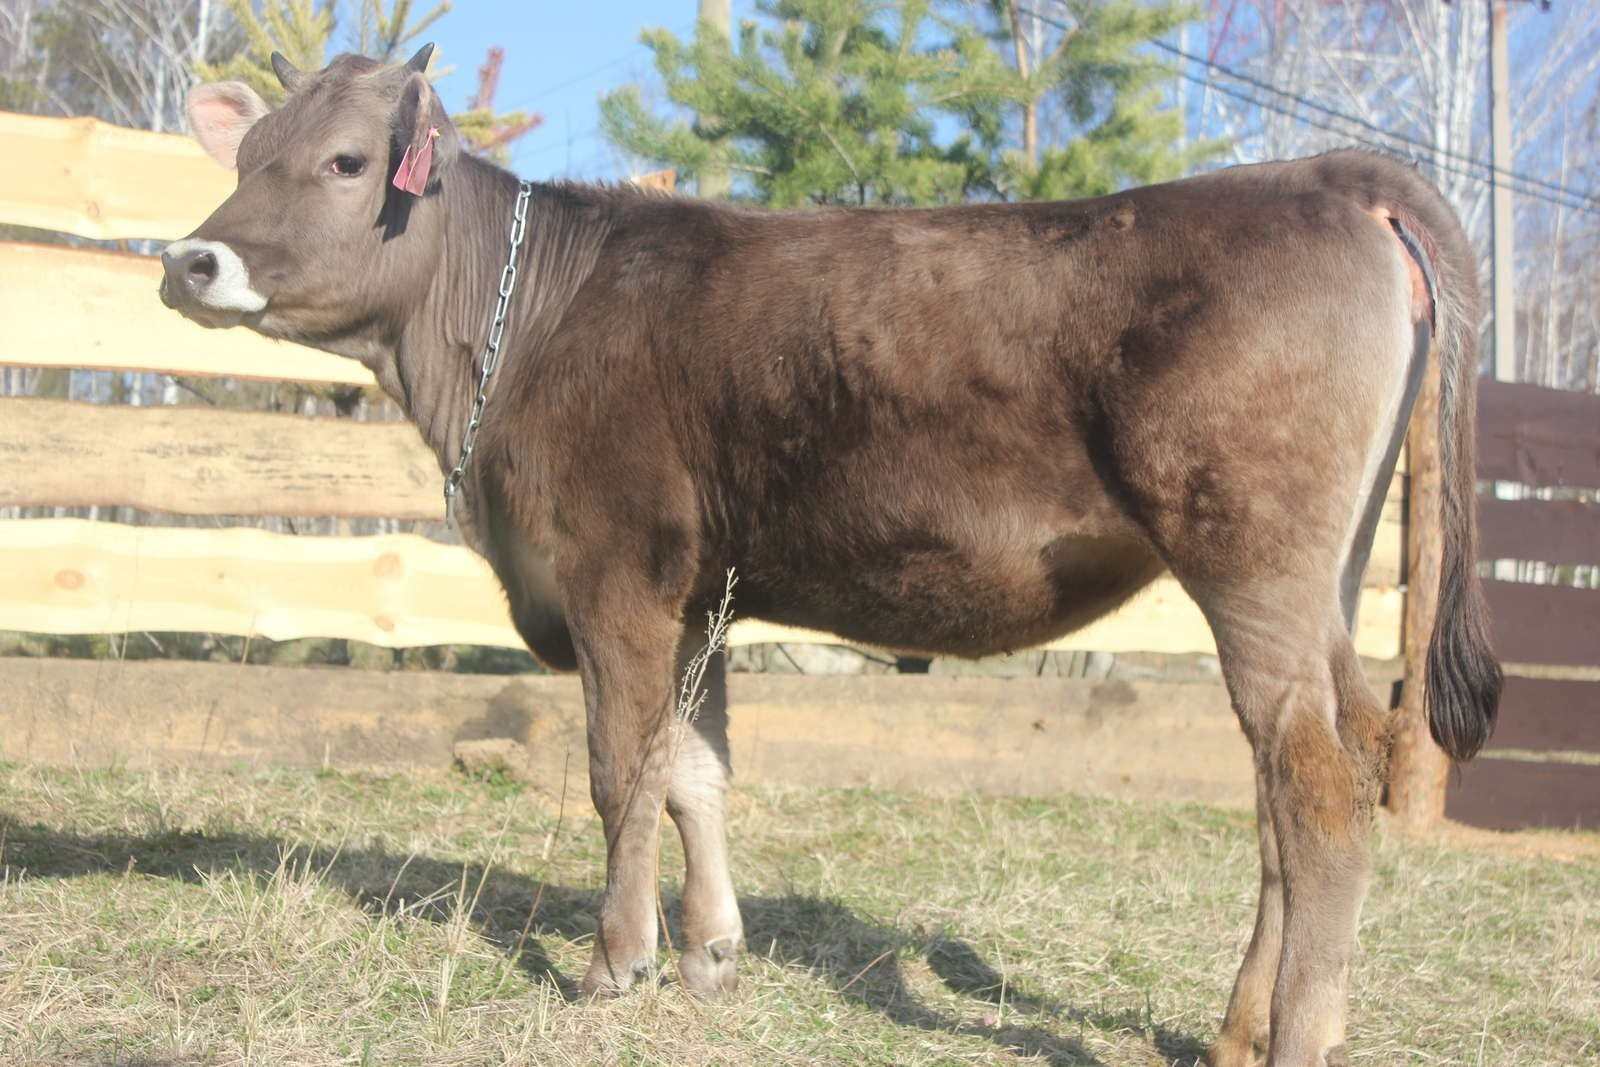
[{"x": 488, "y": 756}]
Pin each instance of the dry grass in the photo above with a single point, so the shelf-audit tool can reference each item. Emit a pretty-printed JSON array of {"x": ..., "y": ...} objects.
[{"x": 286, "y": 917}]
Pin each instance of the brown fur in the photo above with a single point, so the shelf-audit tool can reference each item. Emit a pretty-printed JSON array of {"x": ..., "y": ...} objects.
[{"x": 957, "y": 431}]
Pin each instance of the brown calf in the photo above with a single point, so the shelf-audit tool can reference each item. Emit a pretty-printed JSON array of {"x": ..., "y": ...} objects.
[{"x": 957, "y": 431}]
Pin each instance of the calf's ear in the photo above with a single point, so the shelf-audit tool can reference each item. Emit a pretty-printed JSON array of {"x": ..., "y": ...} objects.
[
  {"x": 426, "y": 139},
  {"x": 220, "y": 115}
]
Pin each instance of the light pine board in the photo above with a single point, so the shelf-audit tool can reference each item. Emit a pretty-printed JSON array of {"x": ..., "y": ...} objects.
[
  {"x": 73, "y": 307},
  {"x": 73, "y": 576}
]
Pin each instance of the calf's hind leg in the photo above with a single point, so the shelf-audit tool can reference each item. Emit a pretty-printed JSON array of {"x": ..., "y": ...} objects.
[
  {"x": 1243, "y": 1039},
  {"x": 1320, "y": 740},
  {"x": 696, "y": 800}
]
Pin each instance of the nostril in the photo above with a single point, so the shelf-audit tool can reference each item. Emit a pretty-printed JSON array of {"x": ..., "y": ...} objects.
[{"x": 201, "y": 269}]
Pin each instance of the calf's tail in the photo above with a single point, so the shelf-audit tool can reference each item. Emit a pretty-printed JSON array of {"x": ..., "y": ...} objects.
[{"x": 1463, "y": 675}]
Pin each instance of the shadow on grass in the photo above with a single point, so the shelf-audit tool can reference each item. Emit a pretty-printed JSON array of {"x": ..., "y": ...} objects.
[
  {"x": 960, "y": 967},
  {"x": 858, "y": 957}
]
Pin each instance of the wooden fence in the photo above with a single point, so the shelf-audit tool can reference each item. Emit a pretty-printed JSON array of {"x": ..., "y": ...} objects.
[
  {"x": 80, "y": 308},
  {"x": 1543, "y": 768},
  {"x": 71, "y": 307}
]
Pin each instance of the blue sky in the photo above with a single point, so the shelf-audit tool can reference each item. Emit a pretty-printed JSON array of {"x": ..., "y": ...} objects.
[{"x": 560, "y": 57}]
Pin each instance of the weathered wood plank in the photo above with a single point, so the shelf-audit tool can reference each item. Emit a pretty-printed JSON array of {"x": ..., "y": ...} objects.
[
  {"x": 202, "y": 461},
  {"x": 71, "y": 576},
  {"x": 1160, "y": 619},
  {"x": 1502, "y": 794},
  {"x": 95, "y": 180},
  {"x": 1546, "y": 715},
  {"x": 72, "y": 307},
  {"x": 74, "y": 576},
  {"x": 1550, "y": 531},
  {"x": 1544, "y": 623},
  {"x": 1538, "y": 436}
]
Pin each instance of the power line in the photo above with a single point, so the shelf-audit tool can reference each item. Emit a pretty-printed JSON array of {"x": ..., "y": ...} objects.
[
  {"x": 1368, "y": 125},
  {"x": 1439, "y": 163},
  {"x": 571, "y": 139},
  {"x": 1576, "y": 200},
  {"x": 558, "y": 86},
  {"x": 585, "y": 76},
  {"x": 1533, "y": 194}
]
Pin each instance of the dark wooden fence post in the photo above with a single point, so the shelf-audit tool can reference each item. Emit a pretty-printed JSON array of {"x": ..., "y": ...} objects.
[{"x": 1418, "y": 767}]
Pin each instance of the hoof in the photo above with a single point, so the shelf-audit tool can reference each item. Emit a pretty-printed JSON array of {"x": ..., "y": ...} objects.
[
  {"x": 602, "y": 981},
  {"x": 712, "y": 970},
  {"x": 1235, "y": 1052},
  {"x": 1337, "y": 1057}
]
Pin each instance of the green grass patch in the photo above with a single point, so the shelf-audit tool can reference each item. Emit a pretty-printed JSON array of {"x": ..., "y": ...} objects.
[{"x": 289, "y": 917}]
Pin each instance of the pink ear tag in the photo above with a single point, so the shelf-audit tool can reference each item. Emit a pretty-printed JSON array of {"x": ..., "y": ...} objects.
[{"x": 412, "y": 174}]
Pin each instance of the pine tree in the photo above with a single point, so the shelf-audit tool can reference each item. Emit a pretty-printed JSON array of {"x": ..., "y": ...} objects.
[
  {"x": 300, "y": 29},
  {"x": 843, "y": 101},
  {"x": 830, "y": 102},
  {"x": 1078, "y": 59},
  {"x": 391, "y": 35}
]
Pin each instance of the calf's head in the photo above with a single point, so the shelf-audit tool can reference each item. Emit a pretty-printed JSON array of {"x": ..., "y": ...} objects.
[{"x": 316, "y": 243}]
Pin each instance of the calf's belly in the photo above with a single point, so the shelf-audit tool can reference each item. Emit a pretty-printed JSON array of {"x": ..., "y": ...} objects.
[{"x": 944, "y": 598}]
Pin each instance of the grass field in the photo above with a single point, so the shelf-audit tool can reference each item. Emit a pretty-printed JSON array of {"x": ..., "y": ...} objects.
[{"x": 289, "y": 917}]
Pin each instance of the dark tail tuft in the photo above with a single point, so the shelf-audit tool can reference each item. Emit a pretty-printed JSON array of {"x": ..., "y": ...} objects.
[{"x": 1463, "y": 688}]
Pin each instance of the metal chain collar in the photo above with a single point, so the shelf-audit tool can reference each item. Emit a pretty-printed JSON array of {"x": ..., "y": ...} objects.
[{"x": 491, "y": 350}]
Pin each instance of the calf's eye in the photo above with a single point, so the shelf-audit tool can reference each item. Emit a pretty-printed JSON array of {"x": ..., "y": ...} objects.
[{"x": 347, "y": 166}]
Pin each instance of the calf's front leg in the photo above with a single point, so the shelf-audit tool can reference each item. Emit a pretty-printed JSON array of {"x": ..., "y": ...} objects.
[{"x": 626, "y": 657}]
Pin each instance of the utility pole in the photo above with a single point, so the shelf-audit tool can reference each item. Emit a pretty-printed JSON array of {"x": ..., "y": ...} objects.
[
  {"x": 1504, "y": 304},
  {"x": 1183, "y": 96},
  {"x": 713, "y": 181}
]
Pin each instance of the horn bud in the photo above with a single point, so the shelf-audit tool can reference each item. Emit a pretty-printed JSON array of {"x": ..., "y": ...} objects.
[
  {"x": 419, "y": 62},
  {"x": 290, "y": 76}
]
